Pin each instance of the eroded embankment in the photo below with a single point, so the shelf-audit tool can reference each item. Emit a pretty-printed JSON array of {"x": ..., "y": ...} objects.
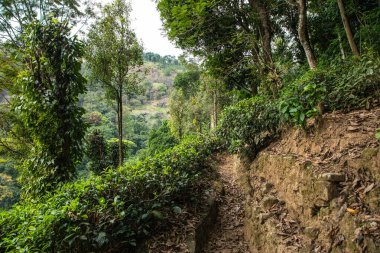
[{"x": 317, "y": 191}]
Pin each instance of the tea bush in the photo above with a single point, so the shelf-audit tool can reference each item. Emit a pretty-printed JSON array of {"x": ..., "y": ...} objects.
[
  {"x": 250, "y": 124},
  {"x": 110, "y": 211},
  {"x": 356, "y": 84},
  {"x": 300, "y": 99},
  {"x": 352, "y": 84}
]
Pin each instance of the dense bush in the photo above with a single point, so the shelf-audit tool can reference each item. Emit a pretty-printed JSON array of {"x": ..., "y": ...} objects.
[
  {"x": 107, "y": 212},
  {"x": 96, "y": 151},
  {"x": 9, "y": 189},
  {"x": 249, "y": 125},
  {"x": 356, "y": 84},
  {"x": 161, "y": 139},
  {"x": 300, "y": 99},
  {"x": 48, "y": 107},
  {"x": 113, "y": 150},
  {"x": 102, "y": 153},
  {"x": 345, "y": 85}
]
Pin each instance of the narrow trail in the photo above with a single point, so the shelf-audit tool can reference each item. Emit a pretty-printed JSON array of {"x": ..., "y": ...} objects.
[{"x": 228, "y": 234}]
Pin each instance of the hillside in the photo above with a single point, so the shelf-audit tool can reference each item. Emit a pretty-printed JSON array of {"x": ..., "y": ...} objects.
[
  {"x": 144, "y": 110},
  {"x": 309, "y": 191},
  {"x": 317, "y": 191},
  {"x": 263, "y": 136}
]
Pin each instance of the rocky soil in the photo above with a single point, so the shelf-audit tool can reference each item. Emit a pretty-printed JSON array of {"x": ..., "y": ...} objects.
[
  {"x": 228, "y": 233},
  {"x": 317, "y": 190}
]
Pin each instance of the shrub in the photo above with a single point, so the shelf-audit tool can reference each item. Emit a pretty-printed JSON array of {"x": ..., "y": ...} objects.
[
  {"x": 96, "y": 151},
  {"x": 110, "y": 212},
  {"x": 249, "y": 125},
  {"x": 113, "y": 150},
  {"x": 356, "y": 84},
  {"x": 161, "y": 139},
  {"x": 347, "y": 85},
  {"x": 299, "y": 100}
]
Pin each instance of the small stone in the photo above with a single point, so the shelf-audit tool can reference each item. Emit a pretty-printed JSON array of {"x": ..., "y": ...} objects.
[
  {"x": 327, "y": 191},
  {"x": 263, "y": 217},
  {"x": 352, "y": 129},
  {"x": 333, "y": 177},
  {"x": 269, "y": 201},
  {"x": 267, "y": 187},
  {"x": 311, "y": 232}
]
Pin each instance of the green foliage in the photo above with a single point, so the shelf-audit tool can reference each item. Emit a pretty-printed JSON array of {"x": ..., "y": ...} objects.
[
  {"x": 9, "y": 69},
  {"x": 378, "y": 134},
  {"x": 113, "y": 150},
  {"x": 108, "y": 212},
  {"x": 115, "y": 57},
  {"x": 48, "y": 107},
  {"x": 300, "y": 100},
  {"x": 250, "y": 124},
  {"x": 355, "y": 83},
  {"x": 344, "y": 85},
  {"x": 188, "y": 82},
  {"x": 96, "y": 151},
  {"x": 9, "y": 189},
  {"x": 113, "y": 51},
  {"x": 16, "y": 15},
  {"x": 102, "y": 153},
  {"x": 137, "y": 131},
  {"x": 164, "y": 60},
  {"x": 177, "y": 110},
  {"x": 101, "y": 122},
  {"x": 161, "y": 139},
  {"x": 370, "y": 31}
]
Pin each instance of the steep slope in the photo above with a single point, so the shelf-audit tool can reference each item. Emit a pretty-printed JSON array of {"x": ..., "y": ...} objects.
[{"x": 317, "y": 191}]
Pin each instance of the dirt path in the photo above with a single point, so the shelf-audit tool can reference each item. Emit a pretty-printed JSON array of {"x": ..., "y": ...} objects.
[{"x": 227, "y": 236}]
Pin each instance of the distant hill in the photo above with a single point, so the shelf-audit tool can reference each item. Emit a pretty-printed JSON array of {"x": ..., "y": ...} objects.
[{"x": 142, "y": 111}]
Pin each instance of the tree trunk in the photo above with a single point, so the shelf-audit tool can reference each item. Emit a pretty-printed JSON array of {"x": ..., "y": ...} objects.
[
  {"x": 341, "y": 46},
  {"x": 266, "y": 35},
  {"x": 347, "y": 28},
  {"x": 120, "y": 124},
  {"x": 215, "y": 105},
  {"x": 266, "y": 30},
  {"x": 303, "y": 34}
]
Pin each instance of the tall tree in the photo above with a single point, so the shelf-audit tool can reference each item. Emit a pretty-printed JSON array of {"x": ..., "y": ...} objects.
[
  {"x": 48, "y": 107},
  {"x": 15, "y": 15},
  {"x": 266, "y": 31},
  {"x": 114, "y": 56},
  {"x": 15, "y": 19},
  {"x": 303, "y": 33},
  {"x": 347, "y": 28},
  {"x": 231, "y": 35},
  {"x": 178, "y": 113}
]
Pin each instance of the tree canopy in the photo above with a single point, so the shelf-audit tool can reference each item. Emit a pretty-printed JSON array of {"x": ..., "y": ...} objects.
[{"x": 114, "y": 56}]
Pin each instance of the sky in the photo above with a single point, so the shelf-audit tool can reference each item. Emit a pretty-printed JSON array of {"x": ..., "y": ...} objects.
[{"x": 148, "y": 28}]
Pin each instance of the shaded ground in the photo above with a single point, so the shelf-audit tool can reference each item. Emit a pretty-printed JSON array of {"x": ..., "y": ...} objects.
[{"x": 228, "y": 234}]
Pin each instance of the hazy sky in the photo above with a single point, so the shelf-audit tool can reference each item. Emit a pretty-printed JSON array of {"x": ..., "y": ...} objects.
[{"x": 148, "y": 27}]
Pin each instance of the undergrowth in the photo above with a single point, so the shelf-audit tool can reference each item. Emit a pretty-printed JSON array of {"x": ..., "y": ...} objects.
[
  {"x": 111, "y": 211},
  {"x": 251, "y": 124}
]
